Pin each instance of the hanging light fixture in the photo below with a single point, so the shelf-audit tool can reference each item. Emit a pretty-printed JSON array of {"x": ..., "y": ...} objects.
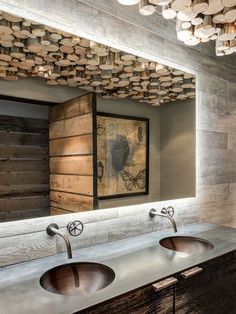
[
  {"x": 197, "y": 21},
  {"x": 128, "y": 2}
]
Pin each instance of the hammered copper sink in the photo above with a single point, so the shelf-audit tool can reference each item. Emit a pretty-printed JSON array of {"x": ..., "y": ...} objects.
[
  {"x": 186, "y": 244},
  {"x": 77, "y": 278}
]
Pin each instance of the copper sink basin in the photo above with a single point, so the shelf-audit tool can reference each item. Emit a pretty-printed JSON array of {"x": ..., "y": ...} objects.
[
  {"x": 186, "y": 244},
  {"x": 77, "y": 278}
]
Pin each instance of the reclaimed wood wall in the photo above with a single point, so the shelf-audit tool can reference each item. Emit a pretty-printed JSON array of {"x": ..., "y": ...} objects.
[
  {"x": 215, "y": 199},
  {"x": 24, "y": 171},
  {"x": 71, "y": 156}
]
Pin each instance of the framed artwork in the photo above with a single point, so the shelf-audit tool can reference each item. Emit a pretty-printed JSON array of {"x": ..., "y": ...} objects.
[{"x": 122, "y": 156}]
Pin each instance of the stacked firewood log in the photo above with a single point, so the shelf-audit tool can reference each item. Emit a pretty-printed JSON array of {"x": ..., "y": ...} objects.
[
  {"x": 199, "y": 21},
  {"x": 29, "y": 49}
]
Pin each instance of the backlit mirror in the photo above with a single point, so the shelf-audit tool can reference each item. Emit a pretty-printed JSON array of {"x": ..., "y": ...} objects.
[{"x": 85, "y": 126}]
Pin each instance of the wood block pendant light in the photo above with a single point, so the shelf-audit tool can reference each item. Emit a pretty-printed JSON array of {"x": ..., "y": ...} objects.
[{"x": 198, "y": 21}]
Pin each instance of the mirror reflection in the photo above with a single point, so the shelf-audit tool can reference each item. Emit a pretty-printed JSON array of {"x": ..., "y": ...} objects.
[{"x": 86, "y": 126}]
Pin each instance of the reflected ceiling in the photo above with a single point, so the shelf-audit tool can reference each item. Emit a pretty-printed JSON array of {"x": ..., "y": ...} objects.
[{"x": 29, "y": 49}]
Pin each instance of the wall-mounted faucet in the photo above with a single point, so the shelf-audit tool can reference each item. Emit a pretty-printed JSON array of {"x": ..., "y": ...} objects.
[
  {"x": 75, "y": 228},
  {"x": 53, "y": 229},
  {"x": 165, "y": 212}
]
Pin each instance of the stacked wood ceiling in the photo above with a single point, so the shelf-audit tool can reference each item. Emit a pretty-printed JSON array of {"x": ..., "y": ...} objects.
[
  {"x": 197, "y": 21},
  {"x": 29, "y": 49}
]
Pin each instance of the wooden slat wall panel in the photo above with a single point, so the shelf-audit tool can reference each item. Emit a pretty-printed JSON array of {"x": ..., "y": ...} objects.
[
  {"x": 78, "y": 145},
  {"x": 25, "y": 125},
  {"x": 23, "y": 214},
  {"x": 72, "y": 108},
  {"x": 58, "y": 211},
  {"x": 72, "y": 183},
  {"x": 71, "y": 156},
  {"x": 70, "y": 201},
  {"x": 213, "y": 139},
  {"x": 24, "y": 190},
  {"x": 18, "y": 165},
  {"x": 24, "y": 177},
  {"x": 24, "y": 168},
  {"x": 38, "y": 248},
  {"x": 71, "y": 127},
  {"x": 82, "y": 165},
  {"x": 23, "y": 203},
  {"x": 31, "y": 152},
  {"x": 18, "y": 138}
]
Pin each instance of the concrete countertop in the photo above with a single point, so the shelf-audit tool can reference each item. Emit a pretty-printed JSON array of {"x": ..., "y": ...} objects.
[{"x": 137, "y": 262}]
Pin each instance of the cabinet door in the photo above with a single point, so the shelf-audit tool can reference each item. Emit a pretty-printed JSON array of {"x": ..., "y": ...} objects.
[
  {"x": 142, "y": 301},
  {"x": 213, "y": 291}
]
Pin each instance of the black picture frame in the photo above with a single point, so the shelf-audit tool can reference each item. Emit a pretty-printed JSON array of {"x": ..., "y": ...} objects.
[{"x": 131, "y": 194}]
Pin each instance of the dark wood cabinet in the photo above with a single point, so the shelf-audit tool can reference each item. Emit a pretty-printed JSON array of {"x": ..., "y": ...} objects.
[
  {"x": 141, "y": 301},
  {"x": 213, "y": 291}
]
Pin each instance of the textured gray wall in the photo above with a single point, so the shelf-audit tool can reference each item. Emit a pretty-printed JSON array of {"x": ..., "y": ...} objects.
[{"x": 215, "y": 199}]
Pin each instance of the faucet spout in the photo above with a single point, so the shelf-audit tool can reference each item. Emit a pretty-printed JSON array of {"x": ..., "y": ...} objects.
[
  {"x": 53, "y": 229},
  {"x": 153, "y": 213},
  {"x": 171, "y": 219}
]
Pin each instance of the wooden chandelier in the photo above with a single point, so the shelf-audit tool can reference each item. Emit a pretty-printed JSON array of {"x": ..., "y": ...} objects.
[
  {"x": 31, "y": 49},
  {"x": 199, "y": 21}
]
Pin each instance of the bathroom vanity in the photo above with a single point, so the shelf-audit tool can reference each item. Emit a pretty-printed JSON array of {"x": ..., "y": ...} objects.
[
  {"x": 140, "y": 264},
  {"x": 211, "y": 291}
]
